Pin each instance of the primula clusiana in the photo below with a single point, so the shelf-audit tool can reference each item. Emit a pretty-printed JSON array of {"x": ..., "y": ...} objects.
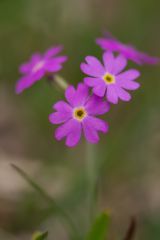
[
  {"x": 38, "y": 66},
  {"x": 107, "y": 80},
  {"x": 78, "y": 114},
  {"x": 112, "y": 44}
]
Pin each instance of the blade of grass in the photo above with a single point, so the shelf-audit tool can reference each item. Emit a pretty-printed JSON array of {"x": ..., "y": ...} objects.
[{"x": 49, "y": 199}]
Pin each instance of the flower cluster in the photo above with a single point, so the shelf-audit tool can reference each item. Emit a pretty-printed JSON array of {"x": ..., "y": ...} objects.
[{"x": 106, "y": 83}]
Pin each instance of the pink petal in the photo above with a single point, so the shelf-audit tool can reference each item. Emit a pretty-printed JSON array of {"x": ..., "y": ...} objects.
[
  {"x": 95, "y": 64},
  {"x": 120, "y": 64},
  {"x": 74, "y": 136},
  {"x": 36, "y": 57},
  {"x": 111, "y": 94},
  {"x": 62, "y": 106},
  {"x": 65, "y": 129},
  {"x": 53, "y": 51},
  {"x": 91, "y": 82},
  {"x": 123, "y": 95},
  {"x": 87, "y": 70},
  {"x": 107, "y": 44},
  {"x": 129, "y": 85},
  {"x": 130, "y": 75},
  {"x": 39, "y": 74},
  {"x": 59, "y": 117},
  {"x": 51, "y": 66},
  {"x": 60, "y": 59},
  {"x": 70, "y": 94},
  {"x": 100, "y": 89},
  {"x": 109, "y": 61},
  {"x": 98, "y": 124},
  {"x": 91, "y": 70},
  {"x": 96, "y": 106},
  {"x": 25, "y": 68},
  {"x": 81, "y": 95},
  {"x": 23, "y": 83},
  {"x": 89, "y": 131},
  {"x": 146, "y": 59}
]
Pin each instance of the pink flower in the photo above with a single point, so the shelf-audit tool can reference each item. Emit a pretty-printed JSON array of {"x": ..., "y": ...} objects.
[
  {"x": 107, "y": 79},
  {"x": 78, "y": 114},
  {"x": 112, "y": 44},
  {"x": 39, "y": 66}
]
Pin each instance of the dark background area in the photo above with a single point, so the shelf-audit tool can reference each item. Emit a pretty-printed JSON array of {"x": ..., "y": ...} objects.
[{"x": 130, "y": 153}]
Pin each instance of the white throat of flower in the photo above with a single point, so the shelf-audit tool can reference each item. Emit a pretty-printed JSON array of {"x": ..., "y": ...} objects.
[{"x": 38, "y": 66}]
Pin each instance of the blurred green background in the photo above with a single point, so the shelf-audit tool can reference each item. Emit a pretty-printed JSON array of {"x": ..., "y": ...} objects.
[{"x": 129, "y": 154}]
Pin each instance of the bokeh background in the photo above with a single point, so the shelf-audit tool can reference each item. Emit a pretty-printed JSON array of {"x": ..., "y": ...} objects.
[{"x": 129, "y": 184}]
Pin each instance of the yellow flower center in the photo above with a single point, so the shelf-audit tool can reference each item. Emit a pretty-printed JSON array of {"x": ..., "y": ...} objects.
[
  {"x": 79, "y": 113},
  {"x": 109, "y": 78}
]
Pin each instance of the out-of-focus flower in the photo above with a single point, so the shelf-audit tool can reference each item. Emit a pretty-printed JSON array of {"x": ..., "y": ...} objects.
[
  {"x": 130, "y": 52},
  {"x": 107, "y": 79},
  {"x": 39, "y": 66},
  {"x": 78, "y": 114}
]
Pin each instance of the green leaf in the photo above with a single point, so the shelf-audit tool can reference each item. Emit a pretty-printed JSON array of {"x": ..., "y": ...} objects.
[
  {"x": 100, "y": 228},
  {"x": 40, "y": 236}
]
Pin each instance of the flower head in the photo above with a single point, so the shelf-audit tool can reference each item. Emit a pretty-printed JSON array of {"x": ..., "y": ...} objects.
[
  {"x": 107, "y": 79},
  {"x": 112, "y": 44},
  {"x": 38, "y": 66},
  {"x": 78, "y": 114}
]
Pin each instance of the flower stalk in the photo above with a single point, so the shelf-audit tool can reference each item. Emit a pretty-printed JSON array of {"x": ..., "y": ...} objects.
[
  {"x": 59, "y": 81},
  {"x": 92, "y": 177}
]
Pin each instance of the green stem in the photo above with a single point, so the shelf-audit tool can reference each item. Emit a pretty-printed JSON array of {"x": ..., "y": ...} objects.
[
  {"x": 59, "y": 81},
  {"x": 49, "y": 199},
  {"x": 92, "y": 177}
]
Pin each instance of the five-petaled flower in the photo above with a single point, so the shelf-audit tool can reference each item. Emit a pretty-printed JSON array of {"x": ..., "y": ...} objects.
[
  {"x": 39, "y": 66},
  {"x": 107, "y": 79},
  {"x": 79, "y": 114},
  {"x": 112, "y": 44}
]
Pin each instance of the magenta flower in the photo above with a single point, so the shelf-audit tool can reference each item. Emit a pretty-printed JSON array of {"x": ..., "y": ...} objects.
[
  {"x": 79, "y": 114},
  {"x": 39, "y": 66},
  {"x": 112, "y": 44},
  {"x": 107, "y": 79}
]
